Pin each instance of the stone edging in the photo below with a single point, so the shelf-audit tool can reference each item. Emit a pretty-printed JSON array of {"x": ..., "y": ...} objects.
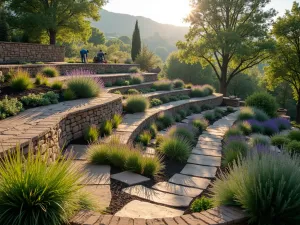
[
  {"x": 124, "y": 89},
  {"x": 159, "y": 94},
  {"x": 49, "y": 128},
  {"x": 133, "y": 124}
]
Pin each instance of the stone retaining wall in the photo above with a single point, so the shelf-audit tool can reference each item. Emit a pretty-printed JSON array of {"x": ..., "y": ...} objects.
[
  {"x": 64, "y": 67},
  {"x": 15, "y": 52},
  {"x": 51, "y": 133},
  {"x": 124, "y": 89},
  {"x": 231, "y": 102},
  {"x": 169, "y": 94}
]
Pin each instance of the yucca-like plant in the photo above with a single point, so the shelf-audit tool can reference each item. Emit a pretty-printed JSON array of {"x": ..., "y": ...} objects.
[
  {"x": 34, "y": 192},
  {"x": 265, "y": 185}
]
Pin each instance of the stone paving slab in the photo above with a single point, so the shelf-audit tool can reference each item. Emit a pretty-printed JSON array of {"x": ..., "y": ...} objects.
[
  {"x": 204, "y": 160},
  {"x": 189, "y": 181},
  {"x": 177, "y": 189},
  {"x": 208, "y": 146},
  {"x": 210, "y": 143},
  {"x": 158, "y": 196},
  {"x": 199, "y": 171},
  {"x": 129, "y": 178},
  {"x": 77, "y": 151},
  {"x": 94, "y": 174},
  {"x": 146, "y": 210},
  {"x": 101, "y": 195},
  {"x": 210, "y": 152}
]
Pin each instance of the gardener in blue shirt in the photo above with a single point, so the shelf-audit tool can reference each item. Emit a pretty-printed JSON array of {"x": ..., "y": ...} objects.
[{"x": 84, "y": 55}]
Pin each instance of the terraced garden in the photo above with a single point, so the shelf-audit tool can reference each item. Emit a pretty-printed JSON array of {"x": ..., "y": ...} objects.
[{"x": 142, "y": 150}]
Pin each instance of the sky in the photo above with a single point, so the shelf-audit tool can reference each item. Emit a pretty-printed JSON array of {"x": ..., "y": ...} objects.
[{"x": 171, "y": 11}]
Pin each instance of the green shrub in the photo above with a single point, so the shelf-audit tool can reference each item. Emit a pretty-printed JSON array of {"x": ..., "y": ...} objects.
[
  {"x": 85, "y": 87},
  {"x": 165, "y": 119},
  {"x": 153, "y": 130},
  {"x": 200, "y": 124},
  {"x": 233, "y": 131},
  {"x": 125, "y": 157},
  {"x": 294, "y": 135},
  {"x": 218, "y": 111},
  {"x": 183, "y": 97},
  {"x": 198, "y": 91},
  {"x": 183, "y": 131},
  {"x": 34, "y": 191},
  {"x": 245, "y": 127},
  {"x": 234, "y": 150},
  {"x": 118, "y": 93},
  {"x": 134, "y": 69},
  {"x": 21, "y": 81},
  {"x": 136, "y": 103},
  {"x": 106, "y": 128},
  {"x": 189, "y": 86},
  {"x": 50, "y": 72},
  {"x": 178, "y": 118},
  {"x": 209, "y": 116},
  {"x": 41, "y": 80},
  {"x": 126, "y": 83},
  {"x": 218, "y": 115},
  {"x": 57, "y": 85},
  {"x": 182, "y": 113},
  {"x": 108, "y": 84},
  {"x": 69, "y": 95},
  {"x": 178, "y": 84},
  {"x": 263, "y": 101},
  {"x": 230, "y": 109},
  {"x": 257, "y": 128},
  {"x": 156, "y": 102},
  {"x": 133, "y": 92},
  {"x": 293, "y": 147},
  {"x": 163, "y": 85},
  {"x": 260, "y": 115},
  {"x": 201, "y": 204},
  {"x": 279, "y": 140},
  {"x": 116, "y": 120},
  {"x": 176, "y": 149},
  {"x": 34, "y": 100},
  {"x": 258, "y": 139},
  {"x": 120, "y": 82},
  {"x": 206, "y": 107},
  {"x": 173, "y": 98},
  {"x": 91, "y": 134},
  {"x": 10, "y": 107},
  {"x": 160, "y": 126},
  {"x": 265, "y": 186},
  {"x": 165, "y": 99},
  {"x": 246, "y": 113},
  {"x": 136, "y": 79},
  {"x": 9, "y": 75},
  {"x": 195, "y": 109},
  {"x": 145, "y": 138},
  {"x": 208, "y": 89},
  {"x": 188, "y": 112}
]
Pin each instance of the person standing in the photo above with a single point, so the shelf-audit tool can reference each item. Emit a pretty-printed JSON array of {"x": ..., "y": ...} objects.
[{"x": 84, "y": 55}]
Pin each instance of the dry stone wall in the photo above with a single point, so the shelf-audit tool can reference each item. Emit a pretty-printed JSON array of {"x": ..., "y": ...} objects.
[{"x": 14, "y": 52}]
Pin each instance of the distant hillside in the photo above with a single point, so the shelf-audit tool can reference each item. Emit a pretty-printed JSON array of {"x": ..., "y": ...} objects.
[{"x": 123, "y": 24}]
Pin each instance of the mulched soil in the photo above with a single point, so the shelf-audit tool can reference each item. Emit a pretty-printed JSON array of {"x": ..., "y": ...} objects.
[{"x": 7, "y": 90}]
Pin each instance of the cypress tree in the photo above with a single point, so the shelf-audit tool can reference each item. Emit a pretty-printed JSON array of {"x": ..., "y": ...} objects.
[{"x": 136, "y": 42}]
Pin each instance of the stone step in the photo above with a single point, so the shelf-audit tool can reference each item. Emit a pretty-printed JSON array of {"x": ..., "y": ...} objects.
[
  {"x": 189, "y": 181},
  {"x": 210, "y": 143},
  {"x": 199, "y": 171},
  {"x": 145, "y": 210},
  {"x": 129, "y": 178},
  {"x": 208, "y": 146},
  {"x": 158, "y": 196},
  {"x": 204, "y": 160},
  {"x": 76, "y": 151},
  {"x": 100, "y": 194},
  {"x": 209, "y": 152},
  {"x": 177, "y": 189}
]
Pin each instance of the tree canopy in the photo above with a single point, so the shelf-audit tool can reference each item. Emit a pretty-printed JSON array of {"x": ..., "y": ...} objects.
[
  {"x": 97, "y": 37},
  {"x": 125, "y": 39},
  {"x": 66, "y": 19},
  {"x": 284, "y": 65},
  {"x": 229, "y": 35},
  {"x": 136, "y": 42}
]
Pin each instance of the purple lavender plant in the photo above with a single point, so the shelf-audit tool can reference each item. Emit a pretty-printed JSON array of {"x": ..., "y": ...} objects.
[
  {"x": 270, "y": 127},
  {"x": 257, "y": 127},
  {"x": 283, "y": 124},
  {"x": 79, "y": 72}
]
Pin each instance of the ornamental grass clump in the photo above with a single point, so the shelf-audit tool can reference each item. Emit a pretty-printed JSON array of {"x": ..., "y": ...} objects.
[
  {"x": 85, "y": 87},
  {"x": 234, "y": 149},
  {"x": 116, "y": 120},
  {"x": 200, "y": 124},
  {"x": 233, "y": 131},
  {"x": 124, "y": 157},
  {"x": 209, "y": 116},
  {"x": 34, "y": 192},
  {"x": 50, "y": 72},
  {"x": 179, "y": 84},
  {"x": 91, "y": 134},
  {"x": 208, "y": 89},
  {"x": 163, "y": 85},
  {"x": 155, "y": 102},
  {"x": 40, "y": 79},
  {"x": 133, "y": 92},
  {"x": 265, "y": 186},
  {"x": 198, "y": 91},
  {"x": 136, "y": 79},
  {"x": 107, "y": 128},
  {"x": 256, "y": 126},
  {"x": 183, "y": 131},
  {"x": 263, "y": 101},
  {"x": 246, "y": 113},
  {"x": 153, "y": 130},
  {"x": 165, "y": 119},
  {"x": 260, "y": 115},
  {"x": 245, "y": 127},
  {"x": 57, "y": 85},
  {"x": 136, "y": 103},
  {"x": 175, "y": 148},
  {"x": 21, "y": 81},
  {"x": 293, "y": 147},
  {"x": 145, "y": 137},
  {"x": 195, "y": 109},
  {"x": 258, "y": 139}
]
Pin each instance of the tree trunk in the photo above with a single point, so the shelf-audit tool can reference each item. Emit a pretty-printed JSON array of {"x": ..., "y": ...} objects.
[
  {"x": 223, "y": 84},
  {"x": 52, "y": 35},
  {"x": 298, "y": 111}
]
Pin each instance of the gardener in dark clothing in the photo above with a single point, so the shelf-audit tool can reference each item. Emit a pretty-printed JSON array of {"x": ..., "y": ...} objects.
[
  {"x": 101, "y": 56},
  {"x": 84, "y": 55}
]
